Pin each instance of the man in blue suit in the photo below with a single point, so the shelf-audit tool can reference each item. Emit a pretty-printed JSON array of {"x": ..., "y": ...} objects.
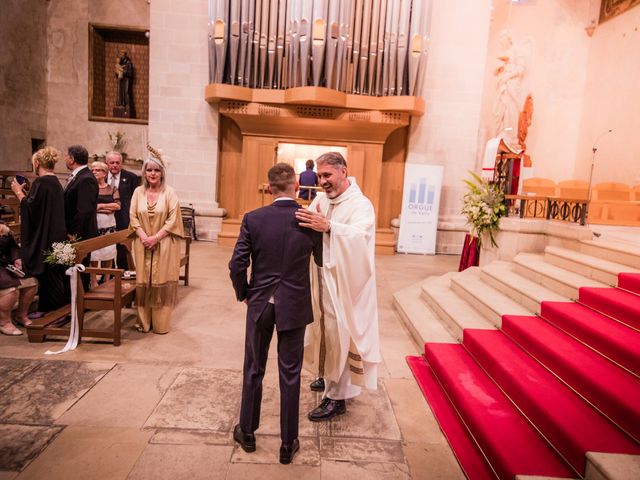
[
  {"x": 277, "y": 295},
  {"x": 308, "y": 178}
]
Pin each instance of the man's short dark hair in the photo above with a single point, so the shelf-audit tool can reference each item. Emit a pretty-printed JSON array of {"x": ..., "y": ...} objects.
[
  {"x": 281, "y": 176},
  {"x": 310, "y": 164},
  {"x": 334, "y": 159},
  {"x": 79, "y": 154}
]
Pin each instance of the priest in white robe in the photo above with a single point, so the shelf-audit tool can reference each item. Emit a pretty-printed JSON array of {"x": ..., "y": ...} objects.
[{"x": 344, "y": 336}]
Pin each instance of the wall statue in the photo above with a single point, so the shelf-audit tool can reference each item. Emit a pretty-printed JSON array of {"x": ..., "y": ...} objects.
[
  {"x": 524, "y": 122},
  {"x": 509, "y": 98},
  {"x": 124, "y": 77}
]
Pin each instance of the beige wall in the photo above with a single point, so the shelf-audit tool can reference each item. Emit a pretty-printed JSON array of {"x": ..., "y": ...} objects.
[
  {"x": 555, "y": 46},
  {"x": 23, "y": 88},
  {"x": 612, "y": 101},
  {"x": 581, "y": 86},
  {"x": 181, "y": 122},
  {"x": 447, "y": 134},
  {"x": 68, "y": 48}
]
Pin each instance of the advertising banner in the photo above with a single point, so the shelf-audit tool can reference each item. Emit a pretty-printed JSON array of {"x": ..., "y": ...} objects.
[{"x": 420, "y": 205}]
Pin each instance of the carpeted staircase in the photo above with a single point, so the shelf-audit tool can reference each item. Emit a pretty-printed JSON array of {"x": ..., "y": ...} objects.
[{"x": 545, "y": 377}]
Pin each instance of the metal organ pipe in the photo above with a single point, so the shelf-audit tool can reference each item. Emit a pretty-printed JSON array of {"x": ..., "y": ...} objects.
[{"x": 366, "y": 47}]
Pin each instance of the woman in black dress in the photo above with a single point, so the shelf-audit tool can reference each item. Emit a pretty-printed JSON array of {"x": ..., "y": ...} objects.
[{"x": 41, "y": 224}]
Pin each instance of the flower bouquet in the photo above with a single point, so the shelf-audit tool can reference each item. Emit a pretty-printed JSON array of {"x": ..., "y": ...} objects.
[
  {"x": 483, "y": 207},
  {"x": 61, "y": 253}
]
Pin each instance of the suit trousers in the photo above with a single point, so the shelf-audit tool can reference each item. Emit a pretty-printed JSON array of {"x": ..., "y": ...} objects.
[{"x": 290, "y": 354}]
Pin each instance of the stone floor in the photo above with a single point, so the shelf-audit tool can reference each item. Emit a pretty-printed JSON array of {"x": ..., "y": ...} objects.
[{"x": 163, "y": 407}]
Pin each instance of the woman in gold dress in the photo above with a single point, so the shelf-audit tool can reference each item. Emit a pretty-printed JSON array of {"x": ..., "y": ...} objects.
[{"x": 157, "y": 224}]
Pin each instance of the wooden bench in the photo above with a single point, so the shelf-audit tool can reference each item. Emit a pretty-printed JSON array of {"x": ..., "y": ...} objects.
[{"x": 112, "y": 295}]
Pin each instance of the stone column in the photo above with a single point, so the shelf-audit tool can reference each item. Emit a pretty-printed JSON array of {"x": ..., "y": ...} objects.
[
  {"x": 448, "y": 133},
  {"x": 181, "y": 123}
]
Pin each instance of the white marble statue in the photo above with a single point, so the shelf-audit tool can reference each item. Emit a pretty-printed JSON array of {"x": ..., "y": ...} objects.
[{"x": 509, "y": 97}]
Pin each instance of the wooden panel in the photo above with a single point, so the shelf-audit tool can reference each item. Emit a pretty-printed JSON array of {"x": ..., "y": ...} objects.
[
  {"x": 365, "y": 164},
  {"x": 372, "y": 174},
  {"x": 392, "y": 179},
  {"x": 229, "y": 166},
  {"x": 355, "y": 162},
  {"x": 258, "y": 155},
  {"x": 215, "y": 92}
]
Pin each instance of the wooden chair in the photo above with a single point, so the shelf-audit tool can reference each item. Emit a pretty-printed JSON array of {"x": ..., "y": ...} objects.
[
  {"x": 611, "y": 191},
  {"x": 578, "y": 189},
  {"x": 539, "y": 186},
  {"x": 635, "y": 192}
]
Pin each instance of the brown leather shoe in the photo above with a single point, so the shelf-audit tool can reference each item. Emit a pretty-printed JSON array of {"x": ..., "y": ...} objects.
[
  {"x": 246, "y": 440},
  {"x": 288, "y": 450},
  {"x": 327, "y": 410}
]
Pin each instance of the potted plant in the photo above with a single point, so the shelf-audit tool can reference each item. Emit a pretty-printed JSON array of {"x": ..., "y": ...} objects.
[{"x": 484, "y": 207}]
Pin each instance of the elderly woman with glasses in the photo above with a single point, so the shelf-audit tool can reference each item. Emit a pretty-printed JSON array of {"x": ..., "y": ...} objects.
[
  {"x": 157, "y": 223},
  {"x": 108, "y": 203}
]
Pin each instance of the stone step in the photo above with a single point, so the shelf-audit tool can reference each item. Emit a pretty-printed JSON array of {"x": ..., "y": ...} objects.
[
  {"x": 612, "y": 466},
  {"x": 451, "y": 309},
  {"x": 613, "y": 251},
  {"x": 564, "y": 282},
  {"x": 421, "y": 322},
  {"x": 491, "y": 303},
  {"x": 527, "y": 293},
  {"x": 600, "y": 269}
]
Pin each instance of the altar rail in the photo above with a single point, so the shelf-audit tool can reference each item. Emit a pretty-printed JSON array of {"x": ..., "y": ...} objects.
[{"x": 572, "y": 210}]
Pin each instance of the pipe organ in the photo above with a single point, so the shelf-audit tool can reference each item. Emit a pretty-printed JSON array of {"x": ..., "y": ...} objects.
[{"x": 362, "y": 47}]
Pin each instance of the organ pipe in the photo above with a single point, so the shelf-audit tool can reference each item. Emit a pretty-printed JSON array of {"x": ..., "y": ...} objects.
[{"x": 366, "y": 47}]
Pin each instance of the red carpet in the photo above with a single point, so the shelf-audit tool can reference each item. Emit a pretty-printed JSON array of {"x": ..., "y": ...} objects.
[
  {"x": 616, "y": 303},
  {"x": 611, "y": 389},
  {"x": 612, "y": 339},
  {"x": 504, "y": 435},
  {"x": 629, "y": 281},
  {"x": 467, "y": 453},
  {"x": 567, "y": 421},
  {"x": 533, "y": 398}
]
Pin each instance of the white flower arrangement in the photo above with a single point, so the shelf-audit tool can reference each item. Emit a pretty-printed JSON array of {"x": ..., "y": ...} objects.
[
  {"x": 61, "y": 253},
  {"x": 483, "y": 207}
]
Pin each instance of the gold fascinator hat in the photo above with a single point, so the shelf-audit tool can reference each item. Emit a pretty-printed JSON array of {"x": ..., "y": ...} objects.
[{"x": 155, "y": 156}]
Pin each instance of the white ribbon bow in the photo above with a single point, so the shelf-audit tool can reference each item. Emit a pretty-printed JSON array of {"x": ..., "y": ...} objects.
[{"x": 74, "y": 331}]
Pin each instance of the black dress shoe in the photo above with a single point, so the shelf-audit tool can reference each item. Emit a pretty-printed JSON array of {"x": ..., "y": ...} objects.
[
  {"x": 288, "y": 450},
  {"x": 327, "y": 410},
  {"x": 246, "y": 440},
  {"x": 317, "y": 385}
]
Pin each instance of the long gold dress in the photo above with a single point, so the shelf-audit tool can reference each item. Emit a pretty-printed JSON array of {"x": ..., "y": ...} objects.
[{"x": 157, "y": 270}]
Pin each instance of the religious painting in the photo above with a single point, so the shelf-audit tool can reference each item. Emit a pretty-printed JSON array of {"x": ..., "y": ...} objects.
[{"x": 611, "y": 8}]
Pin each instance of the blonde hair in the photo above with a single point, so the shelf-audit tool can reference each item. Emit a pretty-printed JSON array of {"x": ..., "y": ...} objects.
[
  {"x": 154, "y": 163},
  {"x": 46, "y": 157},
  {"x": 100, "y": 165}
]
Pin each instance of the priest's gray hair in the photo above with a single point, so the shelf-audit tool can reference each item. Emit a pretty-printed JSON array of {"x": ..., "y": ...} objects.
[{"x": 334, "y": 159}]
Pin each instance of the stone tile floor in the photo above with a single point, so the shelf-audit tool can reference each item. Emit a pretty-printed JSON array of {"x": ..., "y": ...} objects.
[{"x": 163, "y": 407}]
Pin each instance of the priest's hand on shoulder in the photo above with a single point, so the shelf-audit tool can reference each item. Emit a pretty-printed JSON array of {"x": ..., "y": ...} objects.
[{"x": 313, "y": 220}]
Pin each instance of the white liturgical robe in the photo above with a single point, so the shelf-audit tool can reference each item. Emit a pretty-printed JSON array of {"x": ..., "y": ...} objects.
[{"x": 348, "y": 294}]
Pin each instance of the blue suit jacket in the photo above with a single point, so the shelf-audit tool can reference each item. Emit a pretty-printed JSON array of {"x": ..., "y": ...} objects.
[
  {"x": 308, "y": 178},
  {"x": 278, "y": 251}
]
